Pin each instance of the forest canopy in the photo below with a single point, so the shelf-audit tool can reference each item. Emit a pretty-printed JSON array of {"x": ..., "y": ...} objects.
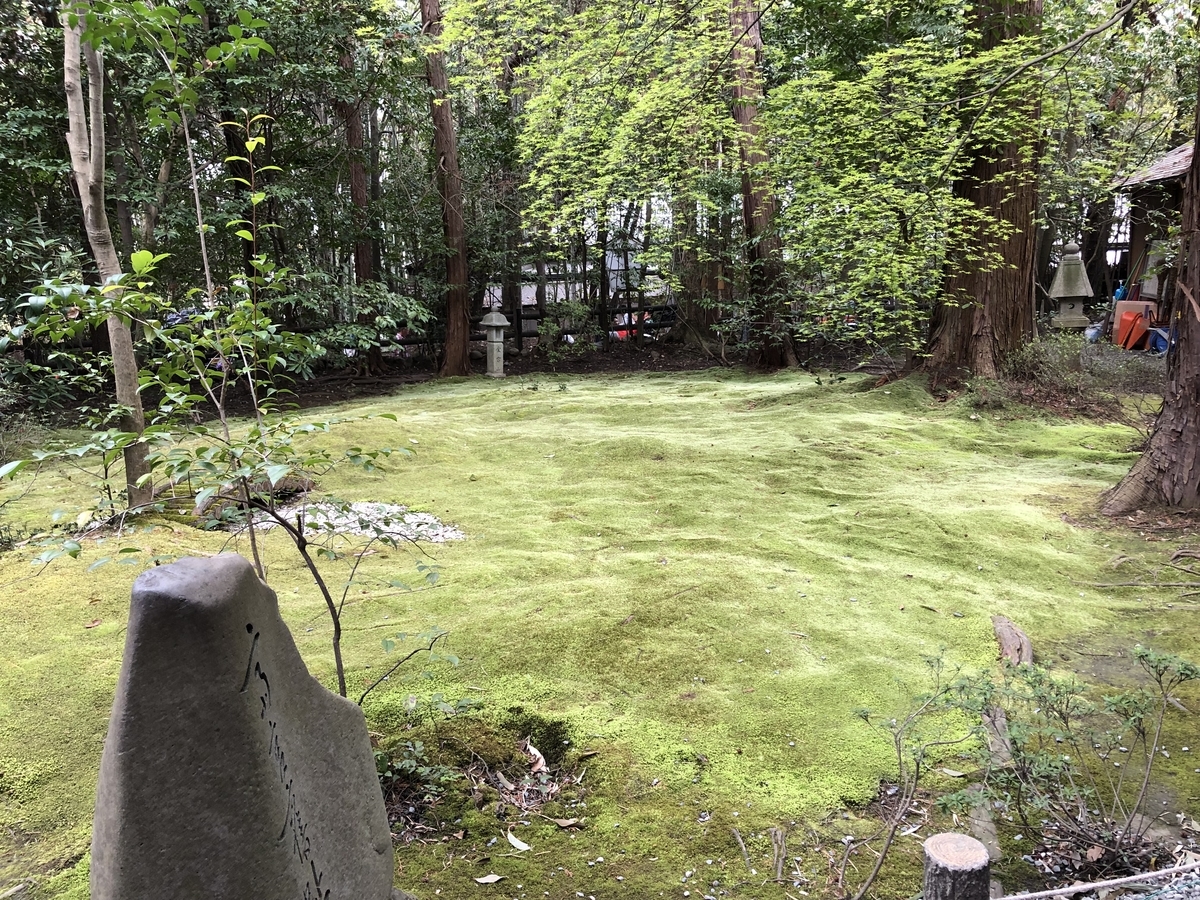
[{"x": 783, "y": 175}]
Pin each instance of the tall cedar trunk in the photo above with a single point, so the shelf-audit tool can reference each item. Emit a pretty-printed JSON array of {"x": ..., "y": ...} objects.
[
  {"x": 987, "y": 310},
  {"x": 514, "y": 235},
  {"x": 350, "y": 113},
  {"x": 540, "y": 293},
  {"x": 510, "y": 286},
  {"x": 85, "y": 139},
  {"x": 445, "y": 145},
  {"x": 764, "y": 250},
  {"x": 1169, "y": 471},
  {"x": 374, "y": 138}
]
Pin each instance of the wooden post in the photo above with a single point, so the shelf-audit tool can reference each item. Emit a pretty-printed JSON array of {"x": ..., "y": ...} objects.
[{"x": 956, "y": 868}]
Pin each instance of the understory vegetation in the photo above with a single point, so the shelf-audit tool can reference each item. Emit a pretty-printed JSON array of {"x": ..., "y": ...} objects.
[{"x": 674, "y": 596}]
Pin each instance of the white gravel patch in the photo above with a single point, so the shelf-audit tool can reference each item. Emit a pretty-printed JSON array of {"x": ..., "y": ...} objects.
[{"x": 368, "y": 520}]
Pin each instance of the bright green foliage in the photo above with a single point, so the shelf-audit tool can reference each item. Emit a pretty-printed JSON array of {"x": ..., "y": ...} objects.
[
  {"x": 1112, "y": 109},
  {"x": 867, "y": 157},
  {"x": 869, "y": 164},
  {"x": 571, "y": 117}
]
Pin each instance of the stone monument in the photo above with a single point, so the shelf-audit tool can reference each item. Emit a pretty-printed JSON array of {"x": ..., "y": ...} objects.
[{"x": 229, "y": 772}]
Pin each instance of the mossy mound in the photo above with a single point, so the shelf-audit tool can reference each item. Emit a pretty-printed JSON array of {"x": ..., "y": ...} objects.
[{"x": 701, "y": 576}]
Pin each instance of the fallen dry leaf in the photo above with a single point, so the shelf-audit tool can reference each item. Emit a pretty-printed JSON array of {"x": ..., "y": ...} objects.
[
  {"x": 953, "y": 773},
  {"x": 538, "y": 762},
  {"x": 1095, "y": 853},
  {"x": 519, "y": 844},
  {"x": 565, "y": 823},
  {"x": 504, "y": 782},
  {"x": 92, "y": 624},
  {"x": 490, "y": 878}
]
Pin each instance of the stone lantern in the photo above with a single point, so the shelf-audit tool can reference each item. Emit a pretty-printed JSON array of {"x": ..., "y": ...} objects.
[
  {"x": 1069, "y": 290},
  {"x": 495, "y": 323}
]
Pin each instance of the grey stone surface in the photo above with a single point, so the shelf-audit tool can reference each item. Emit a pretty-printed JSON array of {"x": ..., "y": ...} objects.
[
  {"x": 229, "y": 772},
  {"x": 495, "y": 323}
]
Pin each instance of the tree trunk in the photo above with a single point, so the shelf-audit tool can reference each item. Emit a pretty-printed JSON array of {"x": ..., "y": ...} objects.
[
  {"x": 120, "y": 178},
  {"x": 510, "y": 285},
  {"x": 85, "y": 139},
  {"x": 151, "y": 211},
  {"x": 455, "y": 361},
  {"x": 350, "y": 113},
  {"x": 764, "y": 250},
  {"x": 1097, "y": 227},
  {"x": 540, "y": 293},
  {"x": 986, "y": 309},
  {"x": 603, "y": 317},
  {"x": 1168, "y": 473},
  {"x": 374, "y": 138}
]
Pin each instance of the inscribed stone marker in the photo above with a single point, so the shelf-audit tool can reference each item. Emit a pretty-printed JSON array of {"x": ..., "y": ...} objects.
[{"x": 229, "y": 772}]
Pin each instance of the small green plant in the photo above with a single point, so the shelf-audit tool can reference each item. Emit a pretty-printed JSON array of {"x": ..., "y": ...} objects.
[
  {"x": 198, "y": 361},
  {"x": 1067, "y": 365},
  {"x": 408, "y": 766},
  {"x": 1071, "y": 766},
  {"x": 411, "y": 782},
  {"x": 917, "y": 736},
  {"x": 566, "y": 330},
  {"x": 985, "y": 394}
]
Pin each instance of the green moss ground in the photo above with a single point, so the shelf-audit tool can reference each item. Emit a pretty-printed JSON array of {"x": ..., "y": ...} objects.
[{"x": 701, "y": 576}]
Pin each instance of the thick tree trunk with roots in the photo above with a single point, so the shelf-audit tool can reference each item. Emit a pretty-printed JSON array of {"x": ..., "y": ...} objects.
[
  {"x": 1168, "y": 473},
  {"x": 445, "y": 144},
  {"x": 85, "y": 139},
  {"x": 764, "y": 250},
  {"x": 987, "y": 306}
]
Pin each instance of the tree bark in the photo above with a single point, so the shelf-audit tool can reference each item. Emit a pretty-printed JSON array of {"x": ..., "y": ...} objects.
[
  {"x": 956, "y": 868},
  {"x": 1097, "y": 227},
  {"x": 455, "y": 360},
  {"x": 120, "y": 178},
  {"x": 350, "y": 112},
  {"x": 375, "y": 139},
  {"x": 151, "y": 211},
  {"x": 986, "y": 309},
  {"x": 85, "y": 139},
  {"x": 764, "y": 250},
  {"x": 1168, "y": 472}
]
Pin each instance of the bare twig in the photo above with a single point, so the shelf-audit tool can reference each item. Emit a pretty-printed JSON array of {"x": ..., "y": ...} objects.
[
  {"x": 378, "y": 681},
  {"x": 742, "y": 844},
  {"x": 1111, "y": 883}
]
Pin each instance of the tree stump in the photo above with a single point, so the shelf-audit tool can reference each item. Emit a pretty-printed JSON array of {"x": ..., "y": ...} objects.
[
  {"x": 956, "y": 868},
  {"x": 1014, "y": 644}
]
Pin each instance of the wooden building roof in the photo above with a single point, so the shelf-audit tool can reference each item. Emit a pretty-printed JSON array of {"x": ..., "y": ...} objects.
[{"x": 1168, "y": 167}]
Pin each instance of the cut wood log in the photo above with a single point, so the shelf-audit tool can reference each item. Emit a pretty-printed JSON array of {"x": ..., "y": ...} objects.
[
  {"x": 1014, "y": 643},
  {"x": 995, "y": 722},
  {"x": 956, "y": 868}
]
